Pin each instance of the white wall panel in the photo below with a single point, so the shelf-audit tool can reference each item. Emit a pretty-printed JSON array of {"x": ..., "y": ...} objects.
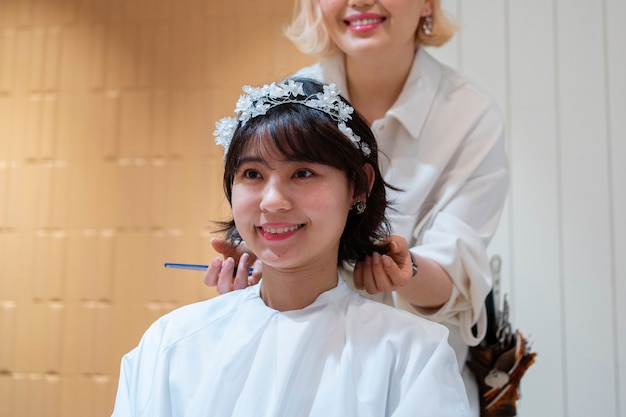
[
  {"x": 585, "y": 218},
  {"x": 616, "y": 89},
  {"x": 535, "y": 204}
]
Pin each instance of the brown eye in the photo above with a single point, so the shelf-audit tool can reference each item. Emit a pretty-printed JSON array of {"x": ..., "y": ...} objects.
[
  {"x": 251, "y": 174},
  {"x": 302, "y": 173}
]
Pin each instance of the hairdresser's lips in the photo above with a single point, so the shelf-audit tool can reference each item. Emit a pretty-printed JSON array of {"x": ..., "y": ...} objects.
[
  {"x": 279, "y": 231},
  {"x": 364, "y": 22}
]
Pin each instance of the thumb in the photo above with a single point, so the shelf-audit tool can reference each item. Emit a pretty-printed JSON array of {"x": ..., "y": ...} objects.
[{"x": 220, "y": 245}]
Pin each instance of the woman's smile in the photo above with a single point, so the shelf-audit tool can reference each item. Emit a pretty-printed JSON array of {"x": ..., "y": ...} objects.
[{"x": 279, "y": 232}]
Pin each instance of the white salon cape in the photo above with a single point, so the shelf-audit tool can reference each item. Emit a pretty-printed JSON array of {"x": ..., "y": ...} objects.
[
  {"x": 443, "y": 144},
  {"x": 344, "y": 355}
]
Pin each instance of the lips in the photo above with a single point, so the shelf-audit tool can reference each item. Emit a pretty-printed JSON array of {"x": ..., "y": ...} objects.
[
  {"x": 364, "y": 20},
  {"x": 279, "y": 232}
]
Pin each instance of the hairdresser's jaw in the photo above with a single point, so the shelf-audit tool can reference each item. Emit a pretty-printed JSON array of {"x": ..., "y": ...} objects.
[
  {"x": 369, "y": 27},
  {"x": 291, "y": 214}
]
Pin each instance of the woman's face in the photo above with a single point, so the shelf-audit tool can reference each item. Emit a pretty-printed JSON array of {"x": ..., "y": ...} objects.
[
  {"x": 362, "y": 27},
  {"x": 290, "y": 214}
]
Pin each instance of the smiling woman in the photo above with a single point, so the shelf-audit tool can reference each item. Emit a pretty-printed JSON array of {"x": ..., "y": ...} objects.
[{"x": 301, "y": 175}]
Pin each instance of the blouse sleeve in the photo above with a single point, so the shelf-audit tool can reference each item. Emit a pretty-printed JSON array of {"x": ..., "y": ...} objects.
[{"x": 464, "y": 218}]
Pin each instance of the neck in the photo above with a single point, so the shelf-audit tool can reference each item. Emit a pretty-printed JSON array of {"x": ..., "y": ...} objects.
[
  {"x": 375, "y": 82},
  {"x": 286, "y": 290}
]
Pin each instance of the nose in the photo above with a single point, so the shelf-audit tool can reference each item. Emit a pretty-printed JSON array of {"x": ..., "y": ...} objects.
[
  {"x": 359, "y": 4},
  {"x": 275, "y": 197}
]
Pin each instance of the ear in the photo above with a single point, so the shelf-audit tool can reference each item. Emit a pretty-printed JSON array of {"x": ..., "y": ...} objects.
[
  {"x": 369, "y": 171},
  {"x": 428, "y": 7}
]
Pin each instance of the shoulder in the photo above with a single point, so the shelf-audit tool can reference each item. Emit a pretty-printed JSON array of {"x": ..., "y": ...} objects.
[
  {"x": 190, "y": 319},
  {"x": 373, "y": 316},
  {"x": 454, "y": 87}
]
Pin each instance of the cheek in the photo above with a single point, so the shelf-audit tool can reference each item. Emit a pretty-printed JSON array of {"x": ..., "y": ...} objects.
[
  {"x": 331, "y": 10},
  {"x": 242, "y": 204}
]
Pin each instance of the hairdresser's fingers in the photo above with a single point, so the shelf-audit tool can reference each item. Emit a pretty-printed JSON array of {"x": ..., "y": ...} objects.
[
  {"x": 225, "y": 279},
  {"x": 241, "y": 276},
  {"x": 369, "y": 281},
  {"x": 212, "y": 273},
  {"x": 381, "y": 279},
  {"x": 357, "y": 275},
  {"x": 255, "y": 276},
  {"x": 227, "y": 249},
  {"x": 398, "y": 265}
]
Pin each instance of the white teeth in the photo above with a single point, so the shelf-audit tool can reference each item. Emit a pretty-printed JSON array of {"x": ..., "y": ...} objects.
[
  {"x": 365, "y": 22},
  {"x": 281, "y": 229}
]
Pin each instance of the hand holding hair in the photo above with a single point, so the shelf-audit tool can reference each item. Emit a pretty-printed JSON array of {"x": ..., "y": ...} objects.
[
  {"x": 222, "y": 272},
  {"x": 387, "y": 272}
]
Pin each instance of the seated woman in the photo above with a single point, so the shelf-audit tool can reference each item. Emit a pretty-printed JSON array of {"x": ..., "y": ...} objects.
[{"x": 302, "y": 177}]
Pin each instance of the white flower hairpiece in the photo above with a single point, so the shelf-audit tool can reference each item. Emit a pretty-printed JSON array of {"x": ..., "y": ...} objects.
[{"x": 257, "y": 101}]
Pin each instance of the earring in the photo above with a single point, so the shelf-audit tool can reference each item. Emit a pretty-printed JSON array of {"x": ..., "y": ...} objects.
[
  {"x": 427, "y": 26},
  {"x": 359, "y": 207}
]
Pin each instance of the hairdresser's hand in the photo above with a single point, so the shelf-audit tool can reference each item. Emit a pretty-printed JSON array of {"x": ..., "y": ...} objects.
[
  {"x": 222, "y": 272},
  {"x": 385, "y": 273}
]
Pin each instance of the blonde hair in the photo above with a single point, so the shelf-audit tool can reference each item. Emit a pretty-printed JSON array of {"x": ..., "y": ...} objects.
[{"x": 308, "y": 32}]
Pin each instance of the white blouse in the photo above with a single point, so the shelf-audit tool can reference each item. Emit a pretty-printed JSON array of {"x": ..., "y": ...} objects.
[
  {"x": 443, "y": 144},
  {"x": 344, "y": 355}
]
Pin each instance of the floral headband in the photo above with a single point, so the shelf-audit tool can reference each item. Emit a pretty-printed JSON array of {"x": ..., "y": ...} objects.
[{"x": 257, "y": 101}]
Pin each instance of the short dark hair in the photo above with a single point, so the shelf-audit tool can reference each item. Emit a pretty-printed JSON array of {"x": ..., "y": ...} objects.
[{"x": 301, "y": 133}]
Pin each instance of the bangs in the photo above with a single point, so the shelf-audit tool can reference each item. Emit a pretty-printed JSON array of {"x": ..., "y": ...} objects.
[{"x": 290, "y": 132}]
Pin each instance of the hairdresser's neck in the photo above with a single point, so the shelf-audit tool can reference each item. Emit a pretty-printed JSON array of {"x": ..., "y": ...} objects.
[
  {"x": 286, "y": 290},
  {"x": 375, "y": 80}
]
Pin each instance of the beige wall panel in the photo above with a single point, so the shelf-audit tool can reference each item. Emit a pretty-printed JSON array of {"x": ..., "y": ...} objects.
[
  {"x": 131, "y": 278},
  {"x": 58, "y": 182},
  {"x": 55, "y": 336},
  {"x": 30, "y": 356},
  {"x": 36, "y": 48},
  {"x": 130, "y": 321},
  {"x": 181, "y": 194},
  {"x": 4, "y": 177},
  {"x": 17, "y": 269},
  {"x": 134, "y": 117},
  {"x": 7, "y": 58},
  {"x": 22, "y": 192},
  {"x": 82, "y": 57},
  {"x": 49, "y": 265},
  {"x": 7, "y": 126},
  {"x": 77, "y": 394},
  {"x": 189, "y": 53},
  {"x": 52, "y": 59},
  {"x": 34, "y": 396},
  {"x": 134, "y": 185},
  {"x": 173, "y": 285},
  {"x": 191, "y": 126},
  {"x": 84, "y": 195},
  {"x": 96, "y": 282},
  {"x": 48, "y": 125},
  {"x": 29, "y": 131},
  {"x": 7, "y": 335},
  {"x": 40, "y": 129},
  {"x": 102, "y": 329},
  {"x": 78, "y": 340},
  {"x": 7, "y": 386},
  {"x": 89, "y": 125},
  {"x": 160, "y": 126}
]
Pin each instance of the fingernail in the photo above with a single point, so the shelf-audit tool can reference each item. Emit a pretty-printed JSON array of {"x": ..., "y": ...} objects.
[
  {"x": 386, "y": 260},
  {"x": 229, "y": 263},
  {"x": 216, "y": 262},
  {"x": 376, "y": 258}
]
